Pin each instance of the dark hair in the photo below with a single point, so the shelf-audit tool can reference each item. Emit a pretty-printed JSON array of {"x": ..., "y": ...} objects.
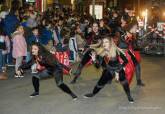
[
  {"x": 66, "y": 41},
  {"x": 129, "y": 7},
  {"x": 17, "y": 26},
  {"x": 44, "y": 53},
  {"x": 126, "y": 18},
  {"x": 34, "y": 28},
  {"x": 72, "y": 33},
  {"x": 42, "y": 49},
  {"x": 106, "y": 36},
  {"x": 95, "y": 22}
]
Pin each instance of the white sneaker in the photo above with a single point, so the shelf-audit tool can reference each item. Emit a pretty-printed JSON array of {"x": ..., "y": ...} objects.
[
  {"x": 21, "y": 76},
  {"x": 16, "y": 76}
]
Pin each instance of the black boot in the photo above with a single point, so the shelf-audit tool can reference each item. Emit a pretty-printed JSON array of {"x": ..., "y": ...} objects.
[
  {"x": 74, "y": 96},
  {"x": 140, "y": 83},
  {"x": 35, "y": 94},
  {"x": 67, "y": 90},
  {"x": 95, "y": 91},
  {"x": 36, "y": 85},
  {"x": 89, "y": 95},
  {"x": 127, "y": 91},
  {"x": 130, "y": 99}
]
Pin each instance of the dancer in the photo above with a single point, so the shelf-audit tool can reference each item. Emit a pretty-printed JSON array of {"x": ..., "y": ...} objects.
[
  {"x": 127, "y": 41},
  {"x": 112, "y": 67},
  {"x": 43, "y": 58},
  {"x": 93, "y": 41}
]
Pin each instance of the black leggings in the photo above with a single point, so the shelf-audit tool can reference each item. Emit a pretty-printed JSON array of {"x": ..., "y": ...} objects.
[
  {"x": 86, "y": 58},
  {"x": 106, "y": 77},
  {"x": 58, "y": 75}
]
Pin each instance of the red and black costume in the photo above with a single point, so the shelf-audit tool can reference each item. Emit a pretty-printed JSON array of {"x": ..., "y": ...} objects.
[
  {"x": 94, "y": 38},
  {"x": 128, "y": 44},
  {"x": 110, "y": 66},
  {"x": 52, "y": 68}
]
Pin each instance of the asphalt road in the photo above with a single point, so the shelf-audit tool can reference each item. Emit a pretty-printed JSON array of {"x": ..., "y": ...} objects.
[{"x": 14, "y": 94}]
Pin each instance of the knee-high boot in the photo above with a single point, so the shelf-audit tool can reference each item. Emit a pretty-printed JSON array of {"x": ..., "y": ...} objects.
[
  {"x": 127, "y": 91},
  {"x": 36, "y": 84},
  {"x": 138, "y": 75},
  {"x": 67, "y": 90}
]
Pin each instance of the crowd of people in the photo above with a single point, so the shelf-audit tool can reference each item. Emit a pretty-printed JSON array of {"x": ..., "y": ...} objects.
[{"x": 30, "y": 39}]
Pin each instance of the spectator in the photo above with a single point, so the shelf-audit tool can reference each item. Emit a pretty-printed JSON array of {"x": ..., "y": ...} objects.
[
  {"x": 3, "y": 50},
  {"x": 19, "y": 48}
]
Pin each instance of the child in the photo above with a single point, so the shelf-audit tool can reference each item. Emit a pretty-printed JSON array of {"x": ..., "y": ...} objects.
[
  {"x": 35, "y": 37},
  {"x": 19, "y": 48}
]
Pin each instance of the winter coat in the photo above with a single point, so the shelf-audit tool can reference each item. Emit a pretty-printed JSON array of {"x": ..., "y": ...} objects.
[{"x": 19, "y": 45}]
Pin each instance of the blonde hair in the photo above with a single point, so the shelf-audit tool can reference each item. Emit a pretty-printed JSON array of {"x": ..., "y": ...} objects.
[{"x": 112, "y": 52}]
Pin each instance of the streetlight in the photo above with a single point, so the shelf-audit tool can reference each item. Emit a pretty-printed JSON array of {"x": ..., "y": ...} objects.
[{"x": 145, "y": 15}]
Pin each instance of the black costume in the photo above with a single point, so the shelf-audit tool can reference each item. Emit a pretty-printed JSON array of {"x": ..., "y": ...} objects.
[
  {"x": 52, "y": 68},
  {"x": 93, "y": 39},
  {"x": 110, "y": 66}
]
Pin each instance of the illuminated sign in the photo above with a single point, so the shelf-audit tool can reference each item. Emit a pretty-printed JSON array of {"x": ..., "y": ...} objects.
[
  {"x": 98, "y": 11},
  {"x": 30, "y": 0}
]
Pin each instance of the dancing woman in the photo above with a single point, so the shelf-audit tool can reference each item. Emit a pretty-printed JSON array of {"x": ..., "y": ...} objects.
[
  {"x": 108, "y": 58},
  {"x": 93, "y": 41},
  {"x": 52, "y": 67},
  {"x": 127, "y": 42}
]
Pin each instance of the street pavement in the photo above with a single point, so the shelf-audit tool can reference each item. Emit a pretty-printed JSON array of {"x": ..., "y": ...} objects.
[{"x": 14, "y": 94}]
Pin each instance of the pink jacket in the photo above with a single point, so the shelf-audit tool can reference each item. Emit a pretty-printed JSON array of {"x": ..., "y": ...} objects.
[{"x": 19, "y": 45}]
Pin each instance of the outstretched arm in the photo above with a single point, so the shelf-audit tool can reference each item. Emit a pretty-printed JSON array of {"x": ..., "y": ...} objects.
[{"x": 26, "y": 65}]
